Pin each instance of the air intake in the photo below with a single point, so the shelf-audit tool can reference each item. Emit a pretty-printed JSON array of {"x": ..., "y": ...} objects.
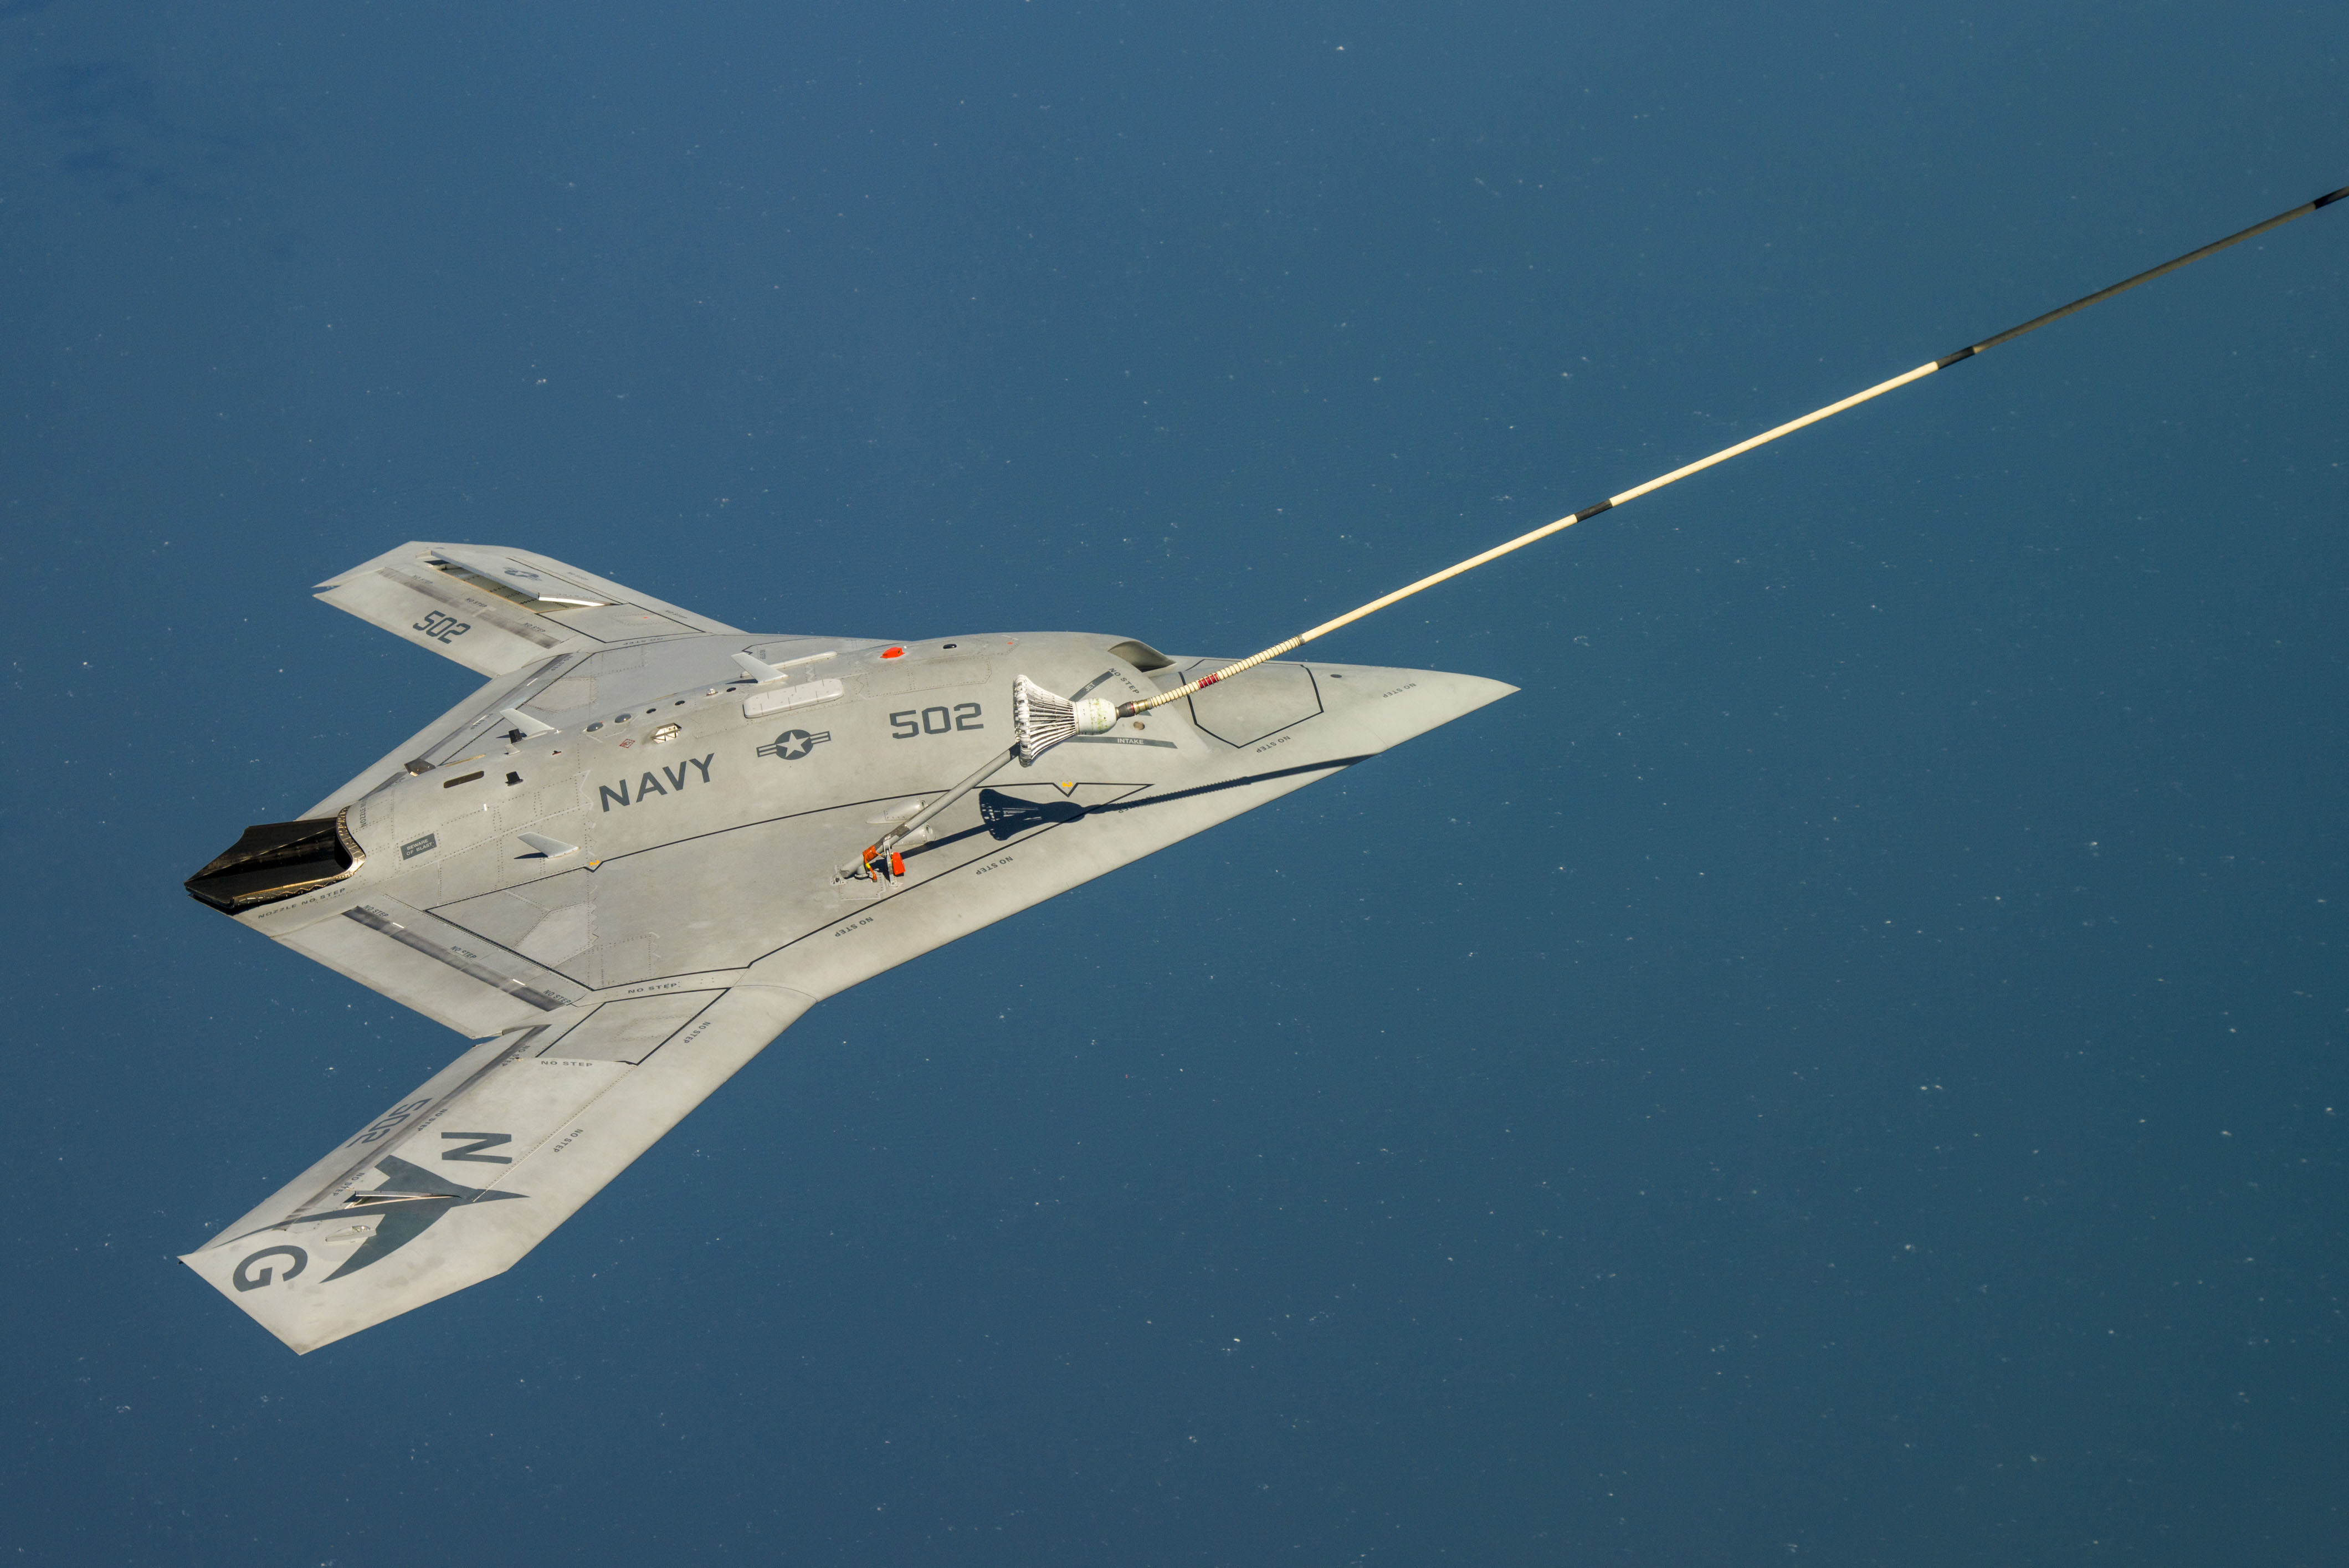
[{"x": 277, "y": 860}]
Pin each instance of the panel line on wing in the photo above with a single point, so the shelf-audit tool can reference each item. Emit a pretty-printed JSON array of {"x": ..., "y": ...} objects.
[
  {"x": 310, "y": 1208},
  {"x": 1174, "y": 794},
  {"x": 375, "y": 920},
  {"x": 514, "y": 696}
]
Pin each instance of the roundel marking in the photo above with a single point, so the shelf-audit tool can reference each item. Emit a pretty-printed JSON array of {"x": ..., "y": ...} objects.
[{"x": 793, "y": 744}]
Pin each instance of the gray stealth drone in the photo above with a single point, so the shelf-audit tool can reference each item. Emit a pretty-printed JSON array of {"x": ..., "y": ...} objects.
[
  {"x": 603, "y": 868},
  {"x": 651, "y": 842}
]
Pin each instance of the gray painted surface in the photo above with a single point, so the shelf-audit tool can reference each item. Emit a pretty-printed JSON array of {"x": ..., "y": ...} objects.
[{"x": 615, "y": 988}]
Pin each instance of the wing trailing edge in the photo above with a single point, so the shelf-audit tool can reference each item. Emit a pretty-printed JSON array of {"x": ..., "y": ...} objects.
[{"x": 497, "y": 611}]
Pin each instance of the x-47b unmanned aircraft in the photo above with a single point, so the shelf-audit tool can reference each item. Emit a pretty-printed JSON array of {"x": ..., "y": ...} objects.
[
  {"x": 631, "y": 860},
  {"x": 651, "y": 842}
]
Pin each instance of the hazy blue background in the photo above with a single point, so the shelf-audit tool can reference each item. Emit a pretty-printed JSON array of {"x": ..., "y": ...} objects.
[{"x": 1846, "y": 1067}]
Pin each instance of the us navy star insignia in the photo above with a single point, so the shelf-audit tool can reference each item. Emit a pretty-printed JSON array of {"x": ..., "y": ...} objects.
[{"x": 793, "y": 744}]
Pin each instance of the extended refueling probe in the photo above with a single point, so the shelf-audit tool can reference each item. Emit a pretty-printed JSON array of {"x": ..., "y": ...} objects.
[
  {"x": 1129, "y": 710},
  {"x": 1044, "y": 721}
]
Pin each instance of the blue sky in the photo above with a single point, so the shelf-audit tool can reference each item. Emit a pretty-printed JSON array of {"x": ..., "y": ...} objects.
[{"x": 1845, "y": 1065}]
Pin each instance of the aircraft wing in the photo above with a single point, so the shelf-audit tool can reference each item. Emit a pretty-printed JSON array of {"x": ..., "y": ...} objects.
[
  {"x": 623, "y": 868},
  {"x": 456, "y": 1180},
  {"x": 497, "y": 611}
]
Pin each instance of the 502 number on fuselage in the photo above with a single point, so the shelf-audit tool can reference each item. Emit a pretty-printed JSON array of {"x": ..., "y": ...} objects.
[{"x": 911, "y": 722}]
